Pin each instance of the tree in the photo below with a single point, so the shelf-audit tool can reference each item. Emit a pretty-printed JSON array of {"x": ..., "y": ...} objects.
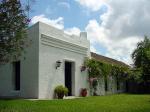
[
  {"x": 141, "y": 57},
  {"x": 13, "y": 36}
]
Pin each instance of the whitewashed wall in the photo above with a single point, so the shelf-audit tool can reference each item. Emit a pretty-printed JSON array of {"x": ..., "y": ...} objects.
[
  {"x": 30, "y": 65},
  {"x": 101, "y": 86},
  {"x": 111, "y": 86},
  {"x": 7, "y": 81},
  {"x": 55, "y": 45}
]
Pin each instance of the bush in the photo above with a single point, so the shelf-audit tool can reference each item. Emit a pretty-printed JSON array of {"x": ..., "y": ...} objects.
[{"x": 60, "y": 91}]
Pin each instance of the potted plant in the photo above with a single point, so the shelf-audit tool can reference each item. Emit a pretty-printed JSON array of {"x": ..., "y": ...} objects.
[
  {"x": 83, "y": 92},
  {"x": 60, "y": 91},
  {"x": 83, "y": 68}
]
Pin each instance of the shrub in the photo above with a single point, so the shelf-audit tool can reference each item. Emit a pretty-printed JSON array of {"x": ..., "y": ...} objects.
[{"x": 60, "y": 91}]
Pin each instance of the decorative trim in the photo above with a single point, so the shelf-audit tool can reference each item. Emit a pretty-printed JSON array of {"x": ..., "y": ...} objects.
[{"x": 57, "y": 43}]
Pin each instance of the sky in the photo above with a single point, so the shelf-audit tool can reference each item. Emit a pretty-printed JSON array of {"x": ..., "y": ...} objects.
[{"x": 113, "y": 27}]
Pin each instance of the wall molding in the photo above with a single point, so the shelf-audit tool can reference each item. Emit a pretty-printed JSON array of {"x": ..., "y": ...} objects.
[{"x": 57, "y": 43}]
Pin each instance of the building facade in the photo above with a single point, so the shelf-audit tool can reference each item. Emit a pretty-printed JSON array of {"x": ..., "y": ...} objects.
[{"x": 53, "y": 58}]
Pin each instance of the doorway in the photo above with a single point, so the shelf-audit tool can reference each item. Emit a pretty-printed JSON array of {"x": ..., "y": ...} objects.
[{"x": 68, "y": 77}]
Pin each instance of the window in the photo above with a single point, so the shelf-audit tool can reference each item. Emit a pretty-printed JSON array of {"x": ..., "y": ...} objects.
[
  {"x": 118, "y": 84},
  {"x": 16, "y": 67},
  {"x": 106, "y": 86}
]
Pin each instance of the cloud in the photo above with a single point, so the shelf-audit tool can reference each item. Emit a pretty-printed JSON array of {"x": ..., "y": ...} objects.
[
  {"x": 118, "y": 49},
  {"x": 64, "y": 4},
  {"x": 73, "y": 30},
  {"x": 93, "y": 5},
  {"x": 123, "y": 25},
  {"x": 127, "y": 18},
  {"x": 92, "y": 49},
  {"x": 58, "y": 23}
]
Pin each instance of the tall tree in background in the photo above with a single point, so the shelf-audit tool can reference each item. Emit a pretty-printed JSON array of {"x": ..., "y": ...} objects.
[
  {"x": 13, "y": 37},
  {"x": 141, "y": 57}
]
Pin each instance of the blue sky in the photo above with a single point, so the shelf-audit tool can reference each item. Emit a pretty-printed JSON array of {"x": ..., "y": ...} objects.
[
  {"x": 113, "y": 26},
  {"x": 71, "y": 11}
]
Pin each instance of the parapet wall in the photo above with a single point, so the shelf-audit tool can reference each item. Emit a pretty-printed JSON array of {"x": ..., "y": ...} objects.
[{"x": 60, "y": 34}]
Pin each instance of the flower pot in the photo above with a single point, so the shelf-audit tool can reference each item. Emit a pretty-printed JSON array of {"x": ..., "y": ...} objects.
[
  {"x": 83, "y": 68},
  {"x": 83, "y": 92},
  {"x": 60, "y": 96}
]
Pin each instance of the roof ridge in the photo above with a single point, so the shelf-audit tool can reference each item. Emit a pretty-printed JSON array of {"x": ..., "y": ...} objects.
[{"x": 107, "y": 59}]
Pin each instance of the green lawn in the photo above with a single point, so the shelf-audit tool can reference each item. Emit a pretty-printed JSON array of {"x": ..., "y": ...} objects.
[{"x": 112, "y": 103}]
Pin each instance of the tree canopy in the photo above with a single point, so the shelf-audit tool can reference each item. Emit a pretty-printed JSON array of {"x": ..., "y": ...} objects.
[
  {"x": 13, "y": 38},
  {"x": 141, "y": 58}
]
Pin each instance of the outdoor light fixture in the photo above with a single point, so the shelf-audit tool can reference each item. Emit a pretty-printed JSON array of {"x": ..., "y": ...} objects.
[{"x": 58, "y": 63}]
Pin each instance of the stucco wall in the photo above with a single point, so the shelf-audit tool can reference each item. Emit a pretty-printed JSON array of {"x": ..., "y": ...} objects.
[
  {"x": 111, "y": 86},
  {"x": 7, "y": 81},
  {"x": 101, "y": 86},
  {"x": 54, "y": 46},
  {"x": 30, "y": 65}
]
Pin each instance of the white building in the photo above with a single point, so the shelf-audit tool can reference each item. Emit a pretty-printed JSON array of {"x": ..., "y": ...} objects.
[{"x": 54, "y": 58}]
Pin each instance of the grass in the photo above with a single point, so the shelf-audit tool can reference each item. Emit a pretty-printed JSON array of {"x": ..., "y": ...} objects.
[{"x": 112, "y": 103}]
